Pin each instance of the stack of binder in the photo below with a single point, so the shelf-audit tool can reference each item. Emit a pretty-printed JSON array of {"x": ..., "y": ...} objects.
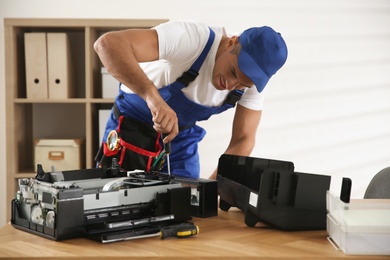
[{"x": 48, "y": 66}]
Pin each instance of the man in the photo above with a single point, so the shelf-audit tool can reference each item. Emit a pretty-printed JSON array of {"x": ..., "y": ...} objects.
[{"x": 220, "y": 70}]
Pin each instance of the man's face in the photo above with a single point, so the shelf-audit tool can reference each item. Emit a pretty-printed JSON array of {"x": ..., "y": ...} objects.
[{"x": 226, "y": 73}]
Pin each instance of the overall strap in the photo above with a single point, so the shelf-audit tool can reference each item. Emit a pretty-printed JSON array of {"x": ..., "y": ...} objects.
[
  {"x": 193, "y": 72},
  {"x": 233, "y": 97}
]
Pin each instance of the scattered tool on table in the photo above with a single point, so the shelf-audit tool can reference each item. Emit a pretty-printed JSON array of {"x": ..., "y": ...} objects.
[{"x": 180, "y": 230}]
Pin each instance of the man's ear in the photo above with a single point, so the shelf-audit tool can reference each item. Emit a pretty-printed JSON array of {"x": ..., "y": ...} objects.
[{"x": 232, "y": 41}]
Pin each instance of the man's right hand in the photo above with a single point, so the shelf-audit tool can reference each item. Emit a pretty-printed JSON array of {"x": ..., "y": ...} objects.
[
  {"x": 164, "y": 118},
  {"x": 121, "y": 52}
]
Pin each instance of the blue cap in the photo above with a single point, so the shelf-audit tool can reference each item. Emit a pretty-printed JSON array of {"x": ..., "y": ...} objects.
[{"x": 263, "y": 53}]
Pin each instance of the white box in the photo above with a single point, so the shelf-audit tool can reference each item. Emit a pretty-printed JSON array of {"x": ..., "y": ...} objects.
[
  {"x": 48, "y": 66},
  {"x": 361, "y": 227},
  {"x": 62, "y": 154},
  {"x": 59, "y": 66},
  {"x": 110, "y": 85},
  {"x": 104, "y": 114},
  {"x": 36, "y": 65}
]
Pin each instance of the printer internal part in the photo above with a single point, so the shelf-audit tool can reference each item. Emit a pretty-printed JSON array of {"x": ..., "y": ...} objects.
[
  {"x": 99, "y": 202},
  {"x": 238, "y": 174},
  {"x": 204, "y": 196},
  {"x": 270, "y": 191}
]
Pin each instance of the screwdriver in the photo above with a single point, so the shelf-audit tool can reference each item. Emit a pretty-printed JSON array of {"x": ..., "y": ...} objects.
[
  {"x": 179, "y": 230},
  {"x": 167, "y": 150}
]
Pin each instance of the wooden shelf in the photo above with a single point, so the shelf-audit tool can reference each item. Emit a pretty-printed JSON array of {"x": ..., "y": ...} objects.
[
  {"x": 69, "y": 100},
  {"x": 21, "y": 175},
  {"x": 28, "y": 119}
]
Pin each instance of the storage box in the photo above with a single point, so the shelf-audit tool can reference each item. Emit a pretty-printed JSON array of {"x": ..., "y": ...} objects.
[
  {"x": 48, "y": 66},
  {"x": 104, "y": 114},
  {"x": 361, "y": 227},
  {"x": 36, "y": 65},
  {"x": 110, "y": 85},
  {"x": 62, "y": 154},
  {"x": 59, "y": 67}
]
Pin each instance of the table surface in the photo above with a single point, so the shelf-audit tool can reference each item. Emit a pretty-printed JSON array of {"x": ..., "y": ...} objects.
[{"x": 222, "y": 237}]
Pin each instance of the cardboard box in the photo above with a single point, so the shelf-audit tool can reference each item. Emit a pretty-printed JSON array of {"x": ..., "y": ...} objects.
[
  {"x": 59, "y": 66},
  {"x": 62, "y": 154},
  {"x": 36, "y": 65},
  {"x": 110, "y": 85},
  {"x": 48, "y": 66},
  {"x": 361, "y": 227}
]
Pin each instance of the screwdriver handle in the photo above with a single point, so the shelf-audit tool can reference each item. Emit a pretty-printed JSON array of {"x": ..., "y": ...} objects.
[
  {"x": 180, "y": 230},
  {"x": 167, "y": 146}
]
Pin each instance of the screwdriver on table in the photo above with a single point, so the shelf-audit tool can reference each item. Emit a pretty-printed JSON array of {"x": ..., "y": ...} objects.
[
  {"x": 179, "y": 230},
  {"x": 167, "y": 150}
]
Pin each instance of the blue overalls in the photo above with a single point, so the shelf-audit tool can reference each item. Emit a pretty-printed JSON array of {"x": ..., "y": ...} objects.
[{"x": 184, "y": 159}]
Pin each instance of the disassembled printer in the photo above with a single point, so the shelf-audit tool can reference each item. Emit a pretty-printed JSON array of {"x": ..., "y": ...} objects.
[
  {"x": 271, "y": 191},
  {"x": 108, "y": 204}
]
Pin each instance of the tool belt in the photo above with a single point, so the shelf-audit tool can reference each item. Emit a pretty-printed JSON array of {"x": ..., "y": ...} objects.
[{"x": 137, "y": 146}]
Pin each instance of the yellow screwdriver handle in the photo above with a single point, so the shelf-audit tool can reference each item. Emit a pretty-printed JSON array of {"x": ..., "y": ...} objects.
[{"x": 180, "y": 230}]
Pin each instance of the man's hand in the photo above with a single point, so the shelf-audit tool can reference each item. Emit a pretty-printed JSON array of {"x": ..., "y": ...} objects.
[
  {"x": 213, "y": 176},
  {"x": 121, "y": 52},
  {"x": 244, "y": 133},
  {"x": 164, "y": 118}
]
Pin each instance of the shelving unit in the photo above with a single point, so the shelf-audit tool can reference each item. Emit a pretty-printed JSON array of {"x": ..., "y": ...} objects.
[{"x": 27, "y": 120}]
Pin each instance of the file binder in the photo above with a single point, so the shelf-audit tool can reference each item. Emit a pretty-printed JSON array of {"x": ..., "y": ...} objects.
[
  {"x": 59, "y": 66},
  {"x": 36, "y": 65}
]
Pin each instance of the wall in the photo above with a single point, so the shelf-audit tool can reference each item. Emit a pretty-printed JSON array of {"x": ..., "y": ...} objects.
[{"x": 327, "y": 110}]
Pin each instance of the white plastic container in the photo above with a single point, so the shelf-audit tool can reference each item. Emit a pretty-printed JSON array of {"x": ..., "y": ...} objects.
[
  {"x": 361, "y": 227},
  {"x": 110, "y": 85}
]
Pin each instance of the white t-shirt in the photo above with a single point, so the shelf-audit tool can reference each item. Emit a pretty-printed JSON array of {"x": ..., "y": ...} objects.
[{"x": 180, "y": 44}]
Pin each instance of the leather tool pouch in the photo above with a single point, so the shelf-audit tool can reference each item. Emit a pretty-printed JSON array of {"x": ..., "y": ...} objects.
[{"x": 138, "y": 146}]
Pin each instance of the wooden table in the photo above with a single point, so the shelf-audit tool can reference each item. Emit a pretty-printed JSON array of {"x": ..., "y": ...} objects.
[{"x": 223, "y": 237}]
